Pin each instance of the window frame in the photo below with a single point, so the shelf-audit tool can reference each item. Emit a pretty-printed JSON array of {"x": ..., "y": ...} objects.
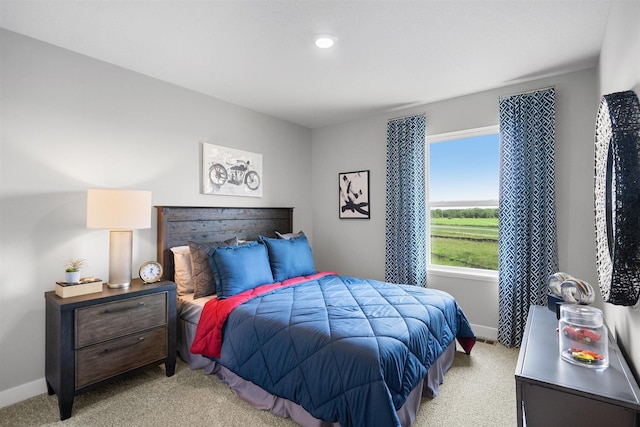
[{"x": 453, "y": 271}]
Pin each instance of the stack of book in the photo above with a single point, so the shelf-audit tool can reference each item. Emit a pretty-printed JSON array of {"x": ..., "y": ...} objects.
[{"x": 87, "y": 285}]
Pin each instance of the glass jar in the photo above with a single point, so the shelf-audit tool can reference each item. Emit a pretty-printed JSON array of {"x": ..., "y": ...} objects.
[{"x": 583, "y": 336}]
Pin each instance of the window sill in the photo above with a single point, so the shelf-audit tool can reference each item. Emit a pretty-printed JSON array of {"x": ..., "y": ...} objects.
[{"x": 464, "y": 273}]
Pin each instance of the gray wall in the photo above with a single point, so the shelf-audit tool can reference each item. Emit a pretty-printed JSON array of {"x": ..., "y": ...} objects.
[
  {"x": 362, "y": 145},
  {"x": 620, "y": 71},
  {"x": 70, "y": 123}
]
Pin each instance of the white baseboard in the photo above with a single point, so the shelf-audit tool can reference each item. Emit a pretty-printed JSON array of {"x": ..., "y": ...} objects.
[
  {"x": 22, "y": 392},
  {"x": 485, "y": 332}
]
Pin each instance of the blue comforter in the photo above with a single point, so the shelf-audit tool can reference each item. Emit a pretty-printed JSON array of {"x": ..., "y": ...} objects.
[{"x": 346, "y": 349}]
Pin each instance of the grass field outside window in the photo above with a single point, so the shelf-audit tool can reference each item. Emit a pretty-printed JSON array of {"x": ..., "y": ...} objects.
[{"x": 465, "y": 242}]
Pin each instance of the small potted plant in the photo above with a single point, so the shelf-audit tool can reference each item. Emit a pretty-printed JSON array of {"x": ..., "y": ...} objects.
[{"x": 72, "y": 270}]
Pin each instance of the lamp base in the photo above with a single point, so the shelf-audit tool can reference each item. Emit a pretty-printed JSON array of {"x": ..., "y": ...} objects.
[
  {"x": 118, "y": 285},
  {"x": 120, "y": 249}
]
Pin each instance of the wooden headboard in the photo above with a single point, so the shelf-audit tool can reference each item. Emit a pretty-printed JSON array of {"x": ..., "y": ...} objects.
[{"x": 178, "y": 225}]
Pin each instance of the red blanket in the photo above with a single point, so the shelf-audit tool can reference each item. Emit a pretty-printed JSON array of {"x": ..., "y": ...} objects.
[{"x": 208, "y": 339}]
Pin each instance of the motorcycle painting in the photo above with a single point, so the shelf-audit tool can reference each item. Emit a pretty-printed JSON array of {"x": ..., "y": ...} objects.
[{"x": 232, "y": 172}]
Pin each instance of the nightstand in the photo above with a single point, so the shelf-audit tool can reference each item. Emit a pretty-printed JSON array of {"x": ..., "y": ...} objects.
[{"x": 95, "y": 338}]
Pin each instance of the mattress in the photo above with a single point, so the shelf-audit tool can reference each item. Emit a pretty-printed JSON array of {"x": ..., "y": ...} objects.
[{"x": 189, "y": 310}]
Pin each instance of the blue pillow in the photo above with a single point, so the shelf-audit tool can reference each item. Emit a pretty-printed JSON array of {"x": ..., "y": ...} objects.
[
  {"x": 289, "y": 257},
  {"x": 240, "y": 268}
]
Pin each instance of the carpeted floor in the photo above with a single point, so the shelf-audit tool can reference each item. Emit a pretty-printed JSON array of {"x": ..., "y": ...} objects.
[{"x": 478, "y": 390}]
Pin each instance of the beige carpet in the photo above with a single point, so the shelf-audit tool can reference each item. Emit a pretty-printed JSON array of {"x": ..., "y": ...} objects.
[{"x": 479, "y": 390}]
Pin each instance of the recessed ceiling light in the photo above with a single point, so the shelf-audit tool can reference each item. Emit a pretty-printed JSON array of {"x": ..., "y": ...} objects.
[{"x": 325, "y": 41}]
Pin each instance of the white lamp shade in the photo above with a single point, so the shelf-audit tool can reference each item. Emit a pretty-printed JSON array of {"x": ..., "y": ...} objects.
[{"x": 118, "y": 209}]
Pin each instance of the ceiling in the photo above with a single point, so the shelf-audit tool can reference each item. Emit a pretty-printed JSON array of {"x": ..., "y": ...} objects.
[{"x": 389, "y": 54}]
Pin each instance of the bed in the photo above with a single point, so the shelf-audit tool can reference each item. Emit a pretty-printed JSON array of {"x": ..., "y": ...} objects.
[{"x": 303, "y": 376}]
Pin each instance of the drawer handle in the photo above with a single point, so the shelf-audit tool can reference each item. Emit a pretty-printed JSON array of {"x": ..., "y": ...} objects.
[
  {"x": 116, "y": 310},
  {"x": 112, "y": 349}
]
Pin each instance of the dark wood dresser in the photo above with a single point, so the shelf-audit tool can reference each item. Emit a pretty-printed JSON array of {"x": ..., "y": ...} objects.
[
  {"x": 95, "y": 338},
  {"x": 552, "y": 392}
]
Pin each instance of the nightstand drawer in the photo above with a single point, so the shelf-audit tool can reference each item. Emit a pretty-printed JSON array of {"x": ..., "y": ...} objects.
[
  {"x": 115, "y": 319},
  {"x": 110, "y": 358}
]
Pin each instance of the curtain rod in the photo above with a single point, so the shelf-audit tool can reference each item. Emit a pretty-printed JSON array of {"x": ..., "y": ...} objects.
[
  {"x": 424, "y": 113},
  {"x": 528, "y": 91}
]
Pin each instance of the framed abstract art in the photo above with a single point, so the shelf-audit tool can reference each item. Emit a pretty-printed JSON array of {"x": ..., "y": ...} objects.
[{"x": 353, "y": 195}]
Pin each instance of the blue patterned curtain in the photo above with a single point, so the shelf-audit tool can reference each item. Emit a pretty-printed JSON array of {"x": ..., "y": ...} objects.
[
  {"x": 527, "y": 252},
  {"x": 406, "y": 233}
]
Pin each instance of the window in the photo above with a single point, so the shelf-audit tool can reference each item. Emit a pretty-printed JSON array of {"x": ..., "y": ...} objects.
[{"x": 463, "y": 177}]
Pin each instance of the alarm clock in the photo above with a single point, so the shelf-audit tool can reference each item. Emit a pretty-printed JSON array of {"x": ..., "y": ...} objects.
[{"x": 151, "y": 272}]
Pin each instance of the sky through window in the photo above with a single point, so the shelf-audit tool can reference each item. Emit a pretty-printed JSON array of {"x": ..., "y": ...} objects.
[{"x": 464, "y": 169}]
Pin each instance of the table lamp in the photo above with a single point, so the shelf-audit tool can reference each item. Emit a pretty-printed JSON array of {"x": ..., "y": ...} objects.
[{"x": 119, "y": 211}]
